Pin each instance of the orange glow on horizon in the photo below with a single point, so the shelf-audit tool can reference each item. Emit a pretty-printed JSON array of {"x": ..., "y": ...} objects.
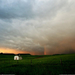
[{"x": 7, "y": 50}]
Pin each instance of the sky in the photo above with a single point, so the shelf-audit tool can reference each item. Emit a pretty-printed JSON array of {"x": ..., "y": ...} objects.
[{"x": 38, "y": 27}]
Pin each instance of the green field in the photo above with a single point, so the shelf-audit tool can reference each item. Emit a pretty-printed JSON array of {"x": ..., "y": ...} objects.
[{"x": 41, "y": 65}]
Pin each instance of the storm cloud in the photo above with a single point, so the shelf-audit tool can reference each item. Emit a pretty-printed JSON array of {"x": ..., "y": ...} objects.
[{"x": 38, "y": 26}]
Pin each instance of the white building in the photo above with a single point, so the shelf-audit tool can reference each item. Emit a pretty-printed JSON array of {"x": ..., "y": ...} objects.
[{"x": 16, "y": 57}]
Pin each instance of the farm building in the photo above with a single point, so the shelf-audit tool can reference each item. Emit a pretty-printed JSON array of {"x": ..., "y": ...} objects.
[{"x": 16, "y": 57}]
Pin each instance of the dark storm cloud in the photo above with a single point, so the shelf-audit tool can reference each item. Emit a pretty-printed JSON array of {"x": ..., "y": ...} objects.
[
  {"x": 16, "y": 9},
  {"x": 38, "y": 25},
  {"x": 29, "y": 8}
]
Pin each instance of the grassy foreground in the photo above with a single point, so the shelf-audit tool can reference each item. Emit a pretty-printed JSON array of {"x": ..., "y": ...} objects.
[{"x": 40, "y": 65}]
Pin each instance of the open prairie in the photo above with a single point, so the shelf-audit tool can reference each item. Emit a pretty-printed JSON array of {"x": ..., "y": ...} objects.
[{"x": 38, "y": 64}]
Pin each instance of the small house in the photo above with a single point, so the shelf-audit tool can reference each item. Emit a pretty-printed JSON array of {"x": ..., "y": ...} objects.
[
  {"x": 20, "y": 58},
  {"x": 16, "y": 57}
]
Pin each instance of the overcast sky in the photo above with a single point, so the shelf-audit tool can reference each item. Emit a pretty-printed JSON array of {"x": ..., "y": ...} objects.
[{"x": 38, "y": 26}]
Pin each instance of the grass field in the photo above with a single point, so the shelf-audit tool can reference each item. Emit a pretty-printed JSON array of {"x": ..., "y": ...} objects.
[{"x": 40, "y": 65}]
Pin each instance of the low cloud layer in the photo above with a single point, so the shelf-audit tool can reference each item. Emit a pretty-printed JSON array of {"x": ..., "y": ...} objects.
[{"x": 38, "y": 27}]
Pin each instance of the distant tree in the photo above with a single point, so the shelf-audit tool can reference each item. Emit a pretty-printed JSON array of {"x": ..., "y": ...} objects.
[{"x": 1, "y": 53}]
